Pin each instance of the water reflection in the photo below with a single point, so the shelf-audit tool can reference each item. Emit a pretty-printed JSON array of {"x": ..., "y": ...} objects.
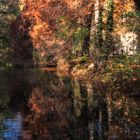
[
  {"x": 44, "y": 106},
  {"x": 14, "y": 128}
]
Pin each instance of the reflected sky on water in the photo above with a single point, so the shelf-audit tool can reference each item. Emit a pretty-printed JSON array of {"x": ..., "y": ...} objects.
[{"x": 13, "y": 128}]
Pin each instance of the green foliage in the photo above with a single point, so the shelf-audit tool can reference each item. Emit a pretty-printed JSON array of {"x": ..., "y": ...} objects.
[
  {"x": 70, "y": 30},
  {"x": 110, "y": 22},
  {"x": 132, "y": 21},
  {"x": 134, "y": 60},
  {"x": 84, "y": 58},
  {"x": 79, "y": 35},
  {"x": 132, "y": 14},
  {"x": 9, "y": 10},
  {"x": 118, "y": 71},
  {"x": 64, "y": 27}
]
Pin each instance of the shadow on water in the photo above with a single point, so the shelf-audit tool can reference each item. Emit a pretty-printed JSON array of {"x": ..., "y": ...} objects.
[{"x": 37, "y": 105}]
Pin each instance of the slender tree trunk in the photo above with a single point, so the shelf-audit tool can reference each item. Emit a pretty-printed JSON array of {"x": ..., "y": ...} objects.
[
  {"x": 94, "y": 28},
  {"x": 86, "y": 41},
  {"x": 110, "y": 21}
]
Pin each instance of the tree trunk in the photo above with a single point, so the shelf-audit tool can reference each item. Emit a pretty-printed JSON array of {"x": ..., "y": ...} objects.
[
  {"x": 86, "y": 41},
  {"x": 96, "y": 30}
]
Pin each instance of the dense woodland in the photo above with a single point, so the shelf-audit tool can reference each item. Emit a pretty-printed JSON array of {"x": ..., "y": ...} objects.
[{"x": 85, "y": 37}]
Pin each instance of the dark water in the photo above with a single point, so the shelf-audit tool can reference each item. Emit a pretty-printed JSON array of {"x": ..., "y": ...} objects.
[{"x": 37, "y": 105}]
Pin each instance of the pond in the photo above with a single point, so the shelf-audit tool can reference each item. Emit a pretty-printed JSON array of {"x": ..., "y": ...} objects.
[{"x": 44, "y": 105}]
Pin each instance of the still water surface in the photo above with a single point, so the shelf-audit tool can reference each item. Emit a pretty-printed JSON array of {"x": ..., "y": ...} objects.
[{"x": 36, "y": 105}]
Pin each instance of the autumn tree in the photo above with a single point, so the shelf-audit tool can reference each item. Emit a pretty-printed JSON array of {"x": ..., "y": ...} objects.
[{"x": 61, "y": 28}]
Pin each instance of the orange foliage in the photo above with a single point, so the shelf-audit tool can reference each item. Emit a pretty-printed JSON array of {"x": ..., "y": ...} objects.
[
  {"x": 53, "y": 22},
  {"x": 49, "y": 18}
]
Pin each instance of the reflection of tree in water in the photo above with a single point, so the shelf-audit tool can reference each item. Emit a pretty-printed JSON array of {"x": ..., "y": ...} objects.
[
  {"x": 90, "y": 109},
  {"x": 16, "y": 90},
  {"x": 66, "y": 108},
  {"x": 83, "y": 117},
  {"x": 124, "y": 115},
  {"x": 20, "y": 89},
  {"x": 49, "y": 109},
  {"x": 99, "y": 113},
  {"x": 60, "y": 110}
]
